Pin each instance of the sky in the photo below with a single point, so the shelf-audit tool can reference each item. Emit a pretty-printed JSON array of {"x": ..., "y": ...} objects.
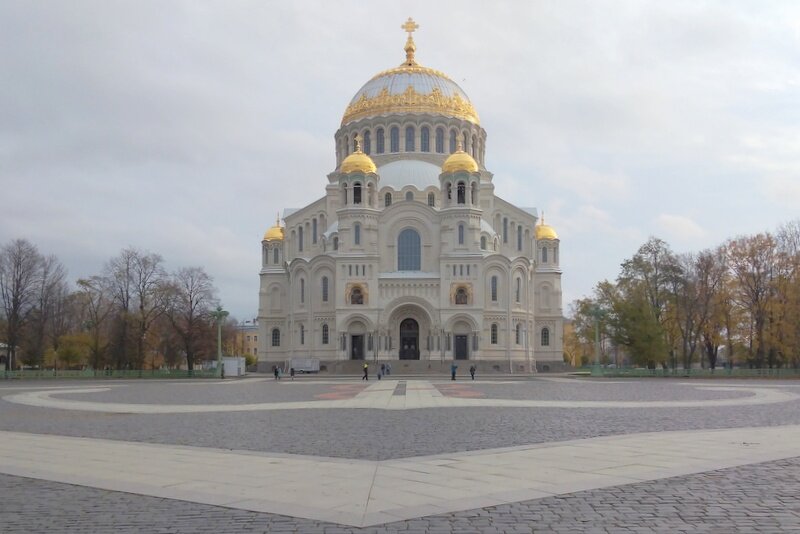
[{"x": 183, "y": 127}]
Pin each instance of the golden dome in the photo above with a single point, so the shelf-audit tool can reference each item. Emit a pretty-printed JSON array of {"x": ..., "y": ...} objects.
[
  {"x": 545, "y": 231},
  {"x": 410, "y": 88},
  {"x": 460, "y": 161},
  {"x": 275, "y": 233},
  {"x": 358, "y": 161}
]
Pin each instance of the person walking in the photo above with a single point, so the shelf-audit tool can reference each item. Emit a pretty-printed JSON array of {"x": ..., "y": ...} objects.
[
  {"x": 280, "y": 373},
  {"x": 472, "y": 371},
  {"x": 291, "y": 372},
  {"x": 366, "y": 372},
  {"x": 383, "y": 369},
  {"x": 388, "y": 368},
  {"x": 275, "y": 371},
  {"x": 453, "y": 369}
]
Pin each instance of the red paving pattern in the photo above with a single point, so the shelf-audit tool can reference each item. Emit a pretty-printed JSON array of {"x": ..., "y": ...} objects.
[
  {"x": 343, "y": 392},
  {"x": 461, "y": 391}
]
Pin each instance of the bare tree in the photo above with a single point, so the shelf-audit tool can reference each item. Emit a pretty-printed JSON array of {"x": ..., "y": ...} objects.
[
  {"x": 20, "y": 264},
  {"x": 94, "y": 297},
  {"x": 118, "y": 277},
  {"x": 50, "y": 287},
  {"x": 192, "y": 295},
  {"x": 150, "y": 290}
]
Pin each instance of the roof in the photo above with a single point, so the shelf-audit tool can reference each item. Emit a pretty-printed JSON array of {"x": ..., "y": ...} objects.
[{"x": 402, "y": 173}]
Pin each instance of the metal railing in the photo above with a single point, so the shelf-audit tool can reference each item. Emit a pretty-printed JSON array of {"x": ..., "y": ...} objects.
[
  {"x": 103, "y": 374},
  {"x": 740, "y": 372}
]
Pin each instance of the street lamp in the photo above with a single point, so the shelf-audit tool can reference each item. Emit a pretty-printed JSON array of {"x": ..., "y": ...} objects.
[{"x": 219, "y": 315}]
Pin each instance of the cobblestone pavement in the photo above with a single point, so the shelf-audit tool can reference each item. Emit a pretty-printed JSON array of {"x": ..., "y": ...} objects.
[
  {"x": 753, "y": 498},
  {"x": 380, "y": 435}
]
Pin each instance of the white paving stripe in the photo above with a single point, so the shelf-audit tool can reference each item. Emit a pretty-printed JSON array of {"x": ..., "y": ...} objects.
[
  {"x": 364, "y": 493},
  {"x": 379, "y": 395}
]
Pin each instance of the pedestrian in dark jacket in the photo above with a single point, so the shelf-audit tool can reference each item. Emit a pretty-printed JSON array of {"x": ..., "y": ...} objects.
[{"x": 472, "y": 371}]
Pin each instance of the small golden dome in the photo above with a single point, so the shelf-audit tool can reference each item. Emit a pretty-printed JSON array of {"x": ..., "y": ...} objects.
[
  {"x": 460, "y": 161},
  {"x": 545, "y": 231},
  {"x": 358, "y": 161},
  {"x": 275, "y": 233}
]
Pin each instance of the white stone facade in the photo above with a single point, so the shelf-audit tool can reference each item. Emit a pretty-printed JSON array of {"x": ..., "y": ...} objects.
[{"x": 348, "y": 280}]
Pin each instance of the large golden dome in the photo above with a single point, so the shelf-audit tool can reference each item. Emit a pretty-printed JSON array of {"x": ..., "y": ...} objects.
[
  {"x": 410, "y": 88},
  {"x": 358, "y": 161},
  {"x": 275, "y": 233},
  {"x": 460, "y": 161},
  {"x": 544, "y": 231}
]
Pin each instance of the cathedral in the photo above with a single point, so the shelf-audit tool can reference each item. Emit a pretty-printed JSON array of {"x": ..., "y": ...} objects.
[{"x": 409, "y": 254}]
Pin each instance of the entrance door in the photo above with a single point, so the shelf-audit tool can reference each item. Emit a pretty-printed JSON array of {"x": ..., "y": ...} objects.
[
  {"x": 461, "y": 347},
  {"x": 357, "y": 347},
  {"x": 409, "y": 340}
]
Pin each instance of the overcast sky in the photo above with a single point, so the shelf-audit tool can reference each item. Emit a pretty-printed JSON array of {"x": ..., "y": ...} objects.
[{"x": 183, "y": 127}]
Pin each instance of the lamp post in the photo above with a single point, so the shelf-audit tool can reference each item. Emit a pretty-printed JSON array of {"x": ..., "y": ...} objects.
[{"x": 219, "y": 315}]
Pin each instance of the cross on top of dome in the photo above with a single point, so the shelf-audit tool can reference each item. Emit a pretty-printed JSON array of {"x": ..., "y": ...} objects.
[{"x": 410, "y": 26}]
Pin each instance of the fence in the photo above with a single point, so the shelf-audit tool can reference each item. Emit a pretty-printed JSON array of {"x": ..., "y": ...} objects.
[
  {"x": 102, "y": 374},
  {"x": 740, "y": 372}
]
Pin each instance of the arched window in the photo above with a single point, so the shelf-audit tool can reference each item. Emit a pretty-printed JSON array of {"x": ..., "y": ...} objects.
[
  {"x": 335, "y": 243},
  {"x": 355, "y": 142},
  {"x": 440, "y": 140},
  {"x": 518, "y": 290},
  {"x": 356, "y": 296},
  {"x": 409, "y": 251},
  {"x": 483, "y": 242},
  {"x": 275, "y": 256},
  {"x": 545, "y": 337},
  {"x": 462, "y": 193},
  {"x": 276, "y": 337},
  {"x": 519, "y": 237},
  {"x": 431, "y": 200},
  {"x": 460, "y": 234},
  {"x": 356, "y": 234},
  {"x": 379, "y": 140},
  {"x": 461, "y": 295},
  {"x": 302, "y": 335},
  {"x": 324, "y": 289},
  {"x": 302, "y": 290},
  {"x": 493, "y": 336},
  {"x": 410, "y": 139},
  {"x": 505, "y": 230},
  {"x": 325, "y": 334},
  {"x": 409, "y": 195},
  {"x": 453, "y": 135},
  {"x": 300, "y": 239},
  {"x": 314, "y": 231},
  {"x": 425, "y": 139},
  {"x": 544, "y": 254},
  {"x": 387, "y": 199},
  {"x": 518, "y": 334},
  {"x": 449, "y": 191},
  {"x": 394, "y": 139},
  {"x": 367, "y": 142},
  {"x": 494, "y": 289},
  {"x": 356, "y": 193},
  {"x": 464, "y": 142}
]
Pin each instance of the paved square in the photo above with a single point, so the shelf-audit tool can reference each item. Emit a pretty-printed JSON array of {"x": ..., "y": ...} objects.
[{"x": 317, "y": 454}]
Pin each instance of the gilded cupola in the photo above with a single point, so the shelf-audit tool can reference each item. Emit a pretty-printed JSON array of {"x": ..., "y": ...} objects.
[
  {"x": 460, "y": 161},
  {"x": 544, "y": 231},
  {"x": 358, "y": 161},
  {"x": 276, "y": 232},
  {"x": 410, "y": 88}
]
